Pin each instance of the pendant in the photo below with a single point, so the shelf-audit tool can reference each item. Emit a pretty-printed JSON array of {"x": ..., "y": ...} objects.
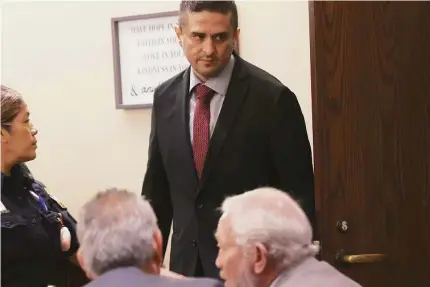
[{"x": 65, "y": 238}]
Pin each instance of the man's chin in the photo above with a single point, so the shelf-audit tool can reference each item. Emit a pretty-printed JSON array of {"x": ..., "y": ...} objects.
[
  {"x": 209, "y": 72},
  {"x": 210, "y": 67}
]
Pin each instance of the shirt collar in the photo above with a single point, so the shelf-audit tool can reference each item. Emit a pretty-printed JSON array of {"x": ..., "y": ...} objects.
[
  {"x": 220, "y": 83},
  {"x": 287, "y": 273},
  {"x": 278, "y": 279}
]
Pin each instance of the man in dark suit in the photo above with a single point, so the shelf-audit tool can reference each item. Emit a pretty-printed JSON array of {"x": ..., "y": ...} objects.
[
  {"x": 219, "y": 128},
  {"x": 121, "y": 244}
]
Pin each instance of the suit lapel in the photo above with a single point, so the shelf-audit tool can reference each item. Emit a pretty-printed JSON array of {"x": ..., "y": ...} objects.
[
  {"x": 182, "y": 104},
  {"x": 236, "y": 93}
]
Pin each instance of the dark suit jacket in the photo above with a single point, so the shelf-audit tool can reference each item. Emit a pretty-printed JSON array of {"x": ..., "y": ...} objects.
[
  {"x": 259, "y": 140},
  {"x": 133, "y": 277}
]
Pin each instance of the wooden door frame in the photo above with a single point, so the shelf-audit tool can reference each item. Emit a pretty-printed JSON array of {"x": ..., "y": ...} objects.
[{"x": 315, "y": 125}]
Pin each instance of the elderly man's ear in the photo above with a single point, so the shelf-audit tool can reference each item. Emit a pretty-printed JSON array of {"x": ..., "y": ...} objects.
[
  {"x": 80, "y": 259},
  {"x": 157, "y": 245},
  {"x": 260, "y": 259}
]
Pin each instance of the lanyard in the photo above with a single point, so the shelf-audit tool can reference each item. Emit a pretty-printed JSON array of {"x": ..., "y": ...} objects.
[
  {"x": 40, "y": 201},
  {"x": 65, "y": 236}
]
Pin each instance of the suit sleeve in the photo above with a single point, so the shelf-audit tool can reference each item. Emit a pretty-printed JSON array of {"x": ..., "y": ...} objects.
[
  {"x": 292, "y": 154},
  {"x": 155, "y": 185}
]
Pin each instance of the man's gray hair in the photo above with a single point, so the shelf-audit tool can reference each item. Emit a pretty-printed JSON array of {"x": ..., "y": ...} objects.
[
  {"x": 271, "y": 217},
  {"x": 116, "y": 229}
]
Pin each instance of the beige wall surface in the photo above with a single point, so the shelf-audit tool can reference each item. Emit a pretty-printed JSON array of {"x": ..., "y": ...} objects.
[{"x": 59, "y": 56}]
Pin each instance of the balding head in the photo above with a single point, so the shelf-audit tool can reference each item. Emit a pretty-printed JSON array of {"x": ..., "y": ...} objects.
[
  {"x": 270, "y": 225},
  {"x": 118, "y": 228}
]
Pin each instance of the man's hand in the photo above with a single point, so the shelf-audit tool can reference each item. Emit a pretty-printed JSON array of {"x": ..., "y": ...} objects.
[{"x": 171, "y": 274}]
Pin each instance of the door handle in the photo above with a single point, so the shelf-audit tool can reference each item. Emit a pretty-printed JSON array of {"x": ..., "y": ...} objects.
[{"x": 359, "y": 258}]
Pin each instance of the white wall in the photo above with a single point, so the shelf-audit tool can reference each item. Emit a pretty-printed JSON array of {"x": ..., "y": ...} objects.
[{"x": 59, "y": 56}]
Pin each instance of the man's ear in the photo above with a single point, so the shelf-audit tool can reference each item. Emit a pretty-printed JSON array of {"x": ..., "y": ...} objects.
[
  {"x": 179, "y": 34},
  {"x": 157, "y": 244},
  {"x": 80, "y": 259},
  {"x": 261, "y": 258},
  {"x": 236, "y": 35}
]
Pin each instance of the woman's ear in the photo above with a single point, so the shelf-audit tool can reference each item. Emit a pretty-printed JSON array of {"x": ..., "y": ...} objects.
[{"x": 4, "y": 135}]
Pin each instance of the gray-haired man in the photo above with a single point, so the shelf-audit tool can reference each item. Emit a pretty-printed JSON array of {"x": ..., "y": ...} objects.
[
  {"x": 265, "y": 239},
  {"x": 121, "y": 244}
]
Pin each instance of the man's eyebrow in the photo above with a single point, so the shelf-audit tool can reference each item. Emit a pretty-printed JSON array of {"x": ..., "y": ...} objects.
[
  {"x": 198, "y": 34},
  {"x": 201, "y": 34},
  {"x": 220, "y": 34}
]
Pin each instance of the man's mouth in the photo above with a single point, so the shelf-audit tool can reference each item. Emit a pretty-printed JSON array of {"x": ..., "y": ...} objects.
[{"x": 207, "y": 60}]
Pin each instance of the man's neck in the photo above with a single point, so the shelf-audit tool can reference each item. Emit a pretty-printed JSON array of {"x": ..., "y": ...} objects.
[
  {"x": 269, "y": 278},
  {"x": 198, "y": 76},
  {"x": 284, "y": 273},
  {"x": 150, "y": 268}
]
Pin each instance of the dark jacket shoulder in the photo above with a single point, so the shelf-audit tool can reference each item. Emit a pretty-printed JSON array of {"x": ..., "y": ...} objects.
[
  {"x": 260, "y": 75},
  {"x": 264, "y": 85},
  {"x": 170, "y": 84}
]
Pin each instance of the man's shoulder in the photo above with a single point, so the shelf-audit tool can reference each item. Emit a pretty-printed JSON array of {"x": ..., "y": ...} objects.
[
  {"x": 314, "y": 273},
  {"x": 201, "y": 282},
  {"x": 261, "y": 77},
  {"x": 170, "y": 83},
  {"x": 114, "y": 277},
  {"x": 132, "y": 277}
]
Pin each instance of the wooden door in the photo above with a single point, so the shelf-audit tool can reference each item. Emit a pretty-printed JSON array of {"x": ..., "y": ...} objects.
[{"x": 371, "y": 119}]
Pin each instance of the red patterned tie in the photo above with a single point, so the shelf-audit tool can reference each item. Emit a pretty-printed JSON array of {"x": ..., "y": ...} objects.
[{"x": 201, "y": 133}]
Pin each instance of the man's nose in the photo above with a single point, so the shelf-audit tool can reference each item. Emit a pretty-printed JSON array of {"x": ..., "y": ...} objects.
[
  {"x": 34, "y": 131},
  {"x": 208, "y": 46},
  {"x": 218, "y": 262}
]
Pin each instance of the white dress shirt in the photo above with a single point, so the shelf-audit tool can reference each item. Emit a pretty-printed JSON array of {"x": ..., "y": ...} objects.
[{"x": 219, "y": 84}]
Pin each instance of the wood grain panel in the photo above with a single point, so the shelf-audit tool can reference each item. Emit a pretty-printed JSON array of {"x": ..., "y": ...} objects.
[{"x": 371, "y": 119}]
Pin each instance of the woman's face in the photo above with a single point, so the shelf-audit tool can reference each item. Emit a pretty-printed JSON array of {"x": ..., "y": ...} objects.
[{"x": 19, "y": 141}]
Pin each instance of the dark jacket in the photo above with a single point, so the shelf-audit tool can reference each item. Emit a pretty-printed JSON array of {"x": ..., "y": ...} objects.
[
  {"x": 259, "y": 140},
  {"x": 30, "y": 234}
]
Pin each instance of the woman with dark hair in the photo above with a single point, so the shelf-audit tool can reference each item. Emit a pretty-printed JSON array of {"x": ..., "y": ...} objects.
[{"x": 37, "y": 233}]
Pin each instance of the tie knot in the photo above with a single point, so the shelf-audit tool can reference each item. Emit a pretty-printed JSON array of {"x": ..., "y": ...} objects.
[{"x": 204, "y": 93}]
